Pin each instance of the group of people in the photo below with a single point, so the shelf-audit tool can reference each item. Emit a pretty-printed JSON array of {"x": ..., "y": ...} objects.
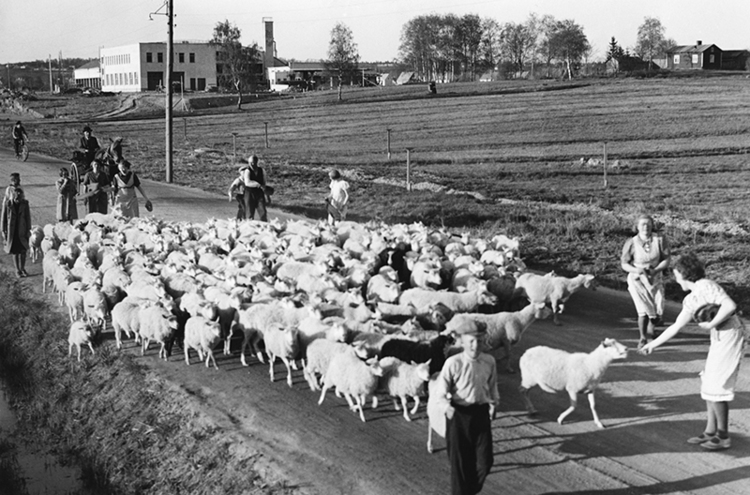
[{"x": 646, "y": 257}]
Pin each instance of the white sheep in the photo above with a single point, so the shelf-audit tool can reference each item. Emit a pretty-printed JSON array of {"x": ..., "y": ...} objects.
[
  {"x": 383, "y": 288},
  {"x": 35, "y": 242},
  {"x": 125, "y": 318},
  {"x": 320, "y": 352},
  {"x": 503, "y": 329},
  {"x": 282, "y": 343},
  {"x": 436, "y": 420},
  {"x": 352, "y": 377},
  {"x": 426, "y": 274},
  {"x": 403, "y": 380},
  {"x": 464, "y": 302},
  {"x": 552, "y": 289},
  {"x": 95, "y": 307},
  {"x": 80, "y": 334},
  {"x": 157, "y": 323},
  {"x": 555, "y": 370},
  {"x": 202, "y": 335},
  {"x": 74, "y": 300}
]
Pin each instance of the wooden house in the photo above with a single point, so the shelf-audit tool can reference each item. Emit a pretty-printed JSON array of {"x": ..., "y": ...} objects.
[{"x": 698, "y": 56}]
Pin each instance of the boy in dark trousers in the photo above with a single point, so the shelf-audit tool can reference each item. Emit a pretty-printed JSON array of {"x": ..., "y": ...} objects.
[{"x": 467, "y": 388}]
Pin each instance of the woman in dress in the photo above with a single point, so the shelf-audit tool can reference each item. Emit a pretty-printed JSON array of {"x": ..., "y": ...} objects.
[
  {"x": 16, "y": 227},
  {"x": 125, "y": 182},
  {"x": 645, "y": 257},
  {"x": 67, "y": 190},
  {"x": 96, "y": 183},
  {"x": 724, "y": 353},
  {"x": 338, "y": 199}
]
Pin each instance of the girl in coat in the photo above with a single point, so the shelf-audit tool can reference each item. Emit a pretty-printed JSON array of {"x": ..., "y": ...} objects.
[{"x": 16, "y": 227}]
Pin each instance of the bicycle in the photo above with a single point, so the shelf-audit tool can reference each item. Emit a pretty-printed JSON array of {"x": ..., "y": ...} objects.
[{"x": 23, "y": 152}]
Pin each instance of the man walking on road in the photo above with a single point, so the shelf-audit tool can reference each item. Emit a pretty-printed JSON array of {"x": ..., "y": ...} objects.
[{"x": 255, "y": 190}]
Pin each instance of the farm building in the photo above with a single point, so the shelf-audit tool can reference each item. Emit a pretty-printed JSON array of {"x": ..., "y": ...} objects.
[
  {"x": 301, "y": 76},
  {"x": 407, "y": 77},
  {"x": 142, "y": 66},
  {"x": 88, "y": 75},
  {"x": 698, "y": 56}
]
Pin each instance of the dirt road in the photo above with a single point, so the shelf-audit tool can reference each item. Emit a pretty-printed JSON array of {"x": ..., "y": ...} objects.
[{"x": 649, "y": 404}]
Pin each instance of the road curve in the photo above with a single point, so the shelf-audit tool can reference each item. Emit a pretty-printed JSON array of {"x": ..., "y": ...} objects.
[{"x": 649, "y": 404}]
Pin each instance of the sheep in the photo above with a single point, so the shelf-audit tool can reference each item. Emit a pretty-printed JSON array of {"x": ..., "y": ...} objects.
[
  {"x": 95, "y": 307},
  {"x": 202, "y": 335},
  {"x": 419, "y": 352},
  {"x": 158, "y": 324},
  {"x": 426, "y": 275},
  {"x": 503, "y": 329},
  {"x": 383, "y": 288},
  {"x": 553, "y": 289},
  {"x": 35, "y": 242},
  {"x": 555, "y": 370},
  {"x": 74, "y": 300},
  {"x": 319, "y": 355},
  {"x": 125, "y": 318},
  {"x": 352, "y": 377},
  {"x": 80, "y": 334},
  {"x": 402, "y": 380},
  {"x": 51, "y": 262},
  {"x": 283, "y": 343},
  {"x": 463, "y": 302}
]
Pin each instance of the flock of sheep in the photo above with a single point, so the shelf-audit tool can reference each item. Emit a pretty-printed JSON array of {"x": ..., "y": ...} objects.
[{"x": 366, "y": 309}]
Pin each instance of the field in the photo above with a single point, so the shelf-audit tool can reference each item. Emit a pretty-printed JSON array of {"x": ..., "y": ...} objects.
[{"x": 526, "y": 151}]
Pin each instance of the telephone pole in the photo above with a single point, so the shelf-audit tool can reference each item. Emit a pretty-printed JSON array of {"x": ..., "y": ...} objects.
[{"x": 170, "y": 65}]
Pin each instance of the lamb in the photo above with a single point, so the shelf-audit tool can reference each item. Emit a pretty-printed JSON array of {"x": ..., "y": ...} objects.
[
  {"x": 553, "y": 289},
  {"x": 383, "y": 288},
  {"x": 426, "y": 274},
  {"x": 74, "y": 300},
  {"x": 402, "y": 380},
  {"x": 35, "y": 242},
  {"x": 80, "y": 334},
  {"x": 503, "y": 329},
  {"x": 555, "y": 370},
  {"x": 419, "y": 352},
  {"x": 352, "y": 377},
  {"x": 158, "y": 324},
  {"x": 463, "y": 302},
  {"x": 283, "y": 343},
  {"x": 202, "y": 335}
]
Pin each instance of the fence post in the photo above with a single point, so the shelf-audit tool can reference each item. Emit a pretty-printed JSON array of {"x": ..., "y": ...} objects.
[
  {"x": 388, "y": 143},
  {"x": 266, "y": 125},
  {"x": 605, "y": 165},
  {"x": 234, "y": 147},
  {"x": 408, "y": 169}
]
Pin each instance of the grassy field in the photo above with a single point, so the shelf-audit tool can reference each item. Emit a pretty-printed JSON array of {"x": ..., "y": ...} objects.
[{"x": 679, "y": 145}]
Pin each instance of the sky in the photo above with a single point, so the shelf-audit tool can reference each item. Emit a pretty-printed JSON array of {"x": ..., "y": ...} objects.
[{"x": 36, "y": 29}]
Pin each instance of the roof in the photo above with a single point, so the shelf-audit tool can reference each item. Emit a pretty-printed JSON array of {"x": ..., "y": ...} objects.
[
  {"x": 691, "y": 48},
  {"x": 405, "y": 77},
  {"x": 94, "y": 64},
  {"x": 307, "y": 66}
]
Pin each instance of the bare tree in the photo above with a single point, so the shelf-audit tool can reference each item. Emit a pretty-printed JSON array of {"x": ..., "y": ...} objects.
[{"x": 518, "y": 43}]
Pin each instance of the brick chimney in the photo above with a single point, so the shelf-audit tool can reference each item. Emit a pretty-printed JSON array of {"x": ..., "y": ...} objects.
[
  {"x": 269, "y": 53},
  {"x": 700, "y": 42}
]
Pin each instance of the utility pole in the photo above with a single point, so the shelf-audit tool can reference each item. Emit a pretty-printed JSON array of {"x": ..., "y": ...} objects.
[
  {"x": 49, "y": 60},
  {"x": 170, "y": 65}
]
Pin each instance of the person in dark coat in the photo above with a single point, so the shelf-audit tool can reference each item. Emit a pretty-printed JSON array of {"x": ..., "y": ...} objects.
[
  {"x": 97, "y": 184},
  {"x": 89, "y": 144},
  {"x": 16, "y": 227},
  {"x": 67, "y": 190}
]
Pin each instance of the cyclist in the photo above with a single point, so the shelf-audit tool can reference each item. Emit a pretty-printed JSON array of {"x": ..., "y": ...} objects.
[{"x": 19, "y": 137}]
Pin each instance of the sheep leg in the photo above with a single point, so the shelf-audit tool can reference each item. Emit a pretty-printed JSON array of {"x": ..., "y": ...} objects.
[
  {"x": 312, "y": 380},
  {"x": 271, "y": 361},
  {"x": 92, "y": 349},
  {"x": 245, "y": 340},
  {"x": 187, "y": 357},
  {"x": 254, "y": 343},
  {"x": 294, "y": 364},
  {"x": 525, "y": 395},
  {"x": 210, "y": 356},
  {"x": 374, "y": 402},
  {"x": 144, "y": 346},
  {"x": 323, "y": 393},
  {"x": 593, "y": 409},
  {"x": 163, "y": 351},
  {"x": 573, "y": 403},
  {"x": 358, "y": 399},
  {"x": 406, "y": 408},
  {"x": 70, "y": 349},
  {"x": 416, "y": 405},
  {"x": 79, "y": 352},
  {"x": 429, "y": 438},
  {"x": 349, "y": 400},
  {"x": 506, "y": 346},
  {"x": 395, "y": 404},
  {"x": 288, "y": 371},
  {"x": 556, "y": 310}
]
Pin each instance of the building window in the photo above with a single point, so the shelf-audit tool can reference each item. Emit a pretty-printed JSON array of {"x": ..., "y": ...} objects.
[
  {"x": 149, "y": 57},
  {"x": 160, "y": 57},
  {"x": 130, "y": 78},
  {"x": 181, "y": 57},
  {"x": 711, "y": 58},
  {"x": 695, "y": 58},
  {"x": 135, "y": 78},
  {"x": 192, "y": 83},
  {"x": 192, "y": 58},
  {"x": 677, "y": 60},
  {"x": 201, "y": 84}
]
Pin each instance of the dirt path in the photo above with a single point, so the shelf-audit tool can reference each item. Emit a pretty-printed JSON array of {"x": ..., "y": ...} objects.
[{"x": 650, "y": 405}]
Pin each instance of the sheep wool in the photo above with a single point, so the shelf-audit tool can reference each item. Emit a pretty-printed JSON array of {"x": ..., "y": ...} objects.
[
  {"x": 353, "y": 378},
  {"x": 554, "y": 370},
  {"x": 403, "y": 380}
]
